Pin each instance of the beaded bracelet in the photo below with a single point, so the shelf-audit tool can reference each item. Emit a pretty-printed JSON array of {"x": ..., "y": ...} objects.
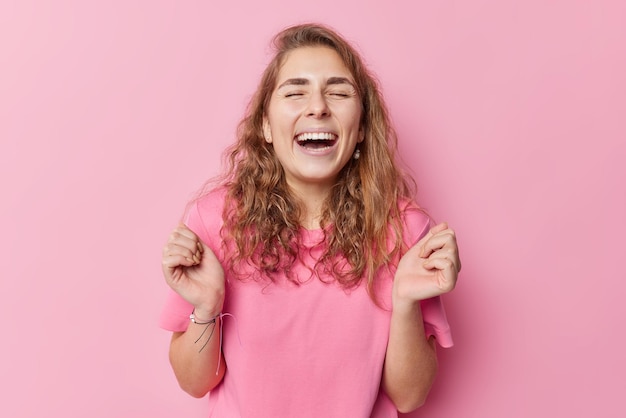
[{"x": 195, "y": 320}]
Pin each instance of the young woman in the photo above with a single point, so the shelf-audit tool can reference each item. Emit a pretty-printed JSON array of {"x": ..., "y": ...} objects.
[{"x": 307, "y": 282}]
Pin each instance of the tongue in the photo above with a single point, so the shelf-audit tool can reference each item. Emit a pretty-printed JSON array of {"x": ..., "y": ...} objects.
[{"x": 316, "y": 144}]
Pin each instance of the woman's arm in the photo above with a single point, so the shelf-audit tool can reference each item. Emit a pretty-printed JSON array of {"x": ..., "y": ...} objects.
[
  {"x": 193, "y": 271},
  {"x": 428, "y": 269},
  {"x": 195, "y": 355},
  {"x": 411, "y": 359}
]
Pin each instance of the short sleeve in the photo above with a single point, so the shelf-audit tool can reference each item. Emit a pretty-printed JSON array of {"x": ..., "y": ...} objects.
[
  {"x": 436, "y": 322},
  {"x": 175, "y": 314}
]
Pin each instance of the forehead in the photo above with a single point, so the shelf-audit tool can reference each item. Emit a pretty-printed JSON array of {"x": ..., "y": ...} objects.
[{"x": 313, "y": 62}]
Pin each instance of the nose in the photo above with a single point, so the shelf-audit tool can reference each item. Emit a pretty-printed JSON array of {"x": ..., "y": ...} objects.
[{"x": 317, "y": 106}]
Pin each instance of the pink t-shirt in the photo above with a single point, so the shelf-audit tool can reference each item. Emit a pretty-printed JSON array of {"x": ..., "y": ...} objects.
[{"x": 309, "y": 350}]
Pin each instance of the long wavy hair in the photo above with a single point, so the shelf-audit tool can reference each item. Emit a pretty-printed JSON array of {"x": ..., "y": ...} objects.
[{"x": 361, "y": 217}]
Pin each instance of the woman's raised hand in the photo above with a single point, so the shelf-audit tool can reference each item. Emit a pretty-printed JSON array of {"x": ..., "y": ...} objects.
[
  {"x": 193, "y": 271},
  {"x": 429, "y": 268}
]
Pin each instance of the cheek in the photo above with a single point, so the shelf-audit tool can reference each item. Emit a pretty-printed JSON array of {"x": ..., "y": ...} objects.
[
  {"x": 348, "y": 110},
  {"x": 284, "y": 115},
  {"x": 350, "y": 117}
]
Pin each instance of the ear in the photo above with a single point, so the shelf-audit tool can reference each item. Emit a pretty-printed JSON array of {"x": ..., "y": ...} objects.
[
  {"x": 361, "y": 135},
  {"x": 267, "y": 131}
]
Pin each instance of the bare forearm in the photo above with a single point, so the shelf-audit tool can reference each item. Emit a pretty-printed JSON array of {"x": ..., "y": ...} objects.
[
  {"x": 411, "y": 360},
  {"x": 195, "y": 355}
]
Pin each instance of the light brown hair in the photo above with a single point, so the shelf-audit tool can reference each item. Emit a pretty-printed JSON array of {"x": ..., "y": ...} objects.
[{"x": 361, "y": 217}]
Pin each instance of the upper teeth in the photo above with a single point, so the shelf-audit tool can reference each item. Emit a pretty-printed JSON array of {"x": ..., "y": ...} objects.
[{"x": 315, "y": 135}]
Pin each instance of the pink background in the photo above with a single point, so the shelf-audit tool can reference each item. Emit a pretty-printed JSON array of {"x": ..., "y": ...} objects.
[{"x": 511, "y": 115}]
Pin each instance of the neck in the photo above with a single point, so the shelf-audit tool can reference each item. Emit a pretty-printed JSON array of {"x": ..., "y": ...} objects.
[{"x": 312, "y": 197}]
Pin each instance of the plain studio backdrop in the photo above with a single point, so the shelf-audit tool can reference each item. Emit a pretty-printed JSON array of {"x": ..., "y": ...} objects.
[{"x": 511, "y": 117}]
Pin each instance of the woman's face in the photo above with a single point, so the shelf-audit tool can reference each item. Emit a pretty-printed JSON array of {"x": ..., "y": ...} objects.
[{"x": 313, "y": 118}]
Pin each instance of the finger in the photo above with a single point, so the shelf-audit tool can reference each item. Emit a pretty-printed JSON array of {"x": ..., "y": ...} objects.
[
  {"x": 445, "y": 271},
  {"x": 203, "y": 247},
  {"x": 186, "y": 231},
  {"x": 175, "y": 249},
  {"x": 191, "y": 253},
  {"x": 185, "y": 234},
  {"x": 171, "y": 262},
  {"x": 433, "y": 231},
  {"x": 439, "y": 240},
  {"x": 447, "y": 254},
  {"x": 185, "y": 239},
  {"x": 439, "y": 264},
  {"x": 181, "y": 235}
]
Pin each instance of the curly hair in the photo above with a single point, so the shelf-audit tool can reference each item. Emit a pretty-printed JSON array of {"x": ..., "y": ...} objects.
[{"x": 361, "y": 217}]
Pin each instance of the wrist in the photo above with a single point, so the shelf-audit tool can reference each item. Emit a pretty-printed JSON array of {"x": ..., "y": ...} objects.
[
  {"x": 202, "y": 314},
  {"x": 408, "y": 293},
  {"x": 209, "y": 306},
  {"x": 406, "y": 306}
]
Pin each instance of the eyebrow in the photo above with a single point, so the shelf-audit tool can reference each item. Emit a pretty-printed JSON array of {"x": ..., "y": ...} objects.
[
  {"x": 339, "y": 80},
  {"x": 304, "y": 82}
]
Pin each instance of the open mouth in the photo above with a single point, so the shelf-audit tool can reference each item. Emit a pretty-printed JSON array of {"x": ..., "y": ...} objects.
[{"x": 316, "y": 140}]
